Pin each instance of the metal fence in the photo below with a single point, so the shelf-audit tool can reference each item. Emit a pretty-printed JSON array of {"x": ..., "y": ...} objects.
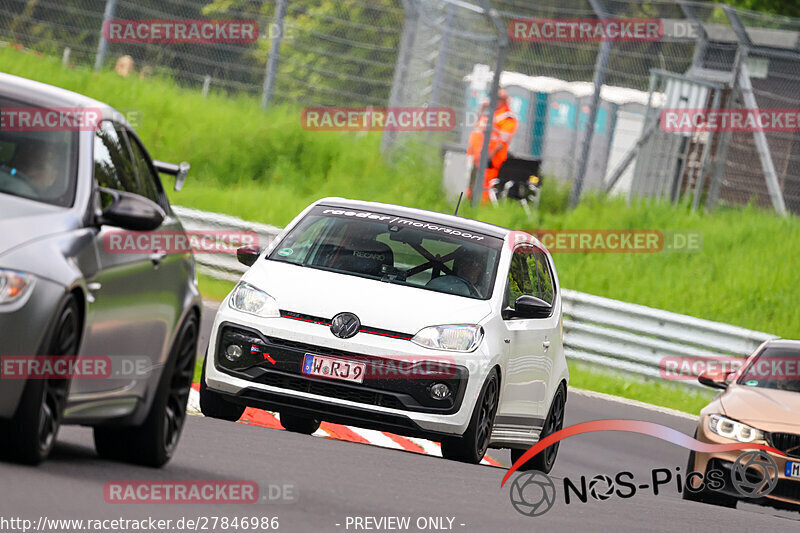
[
  {"x": 589, "y": 110},
  {"x": 321, "y": 53},
  {"x": 603, "y": 332}
]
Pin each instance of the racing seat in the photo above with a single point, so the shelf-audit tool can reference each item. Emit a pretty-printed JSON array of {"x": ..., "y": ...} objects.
[{"x": 366, "y": 257}]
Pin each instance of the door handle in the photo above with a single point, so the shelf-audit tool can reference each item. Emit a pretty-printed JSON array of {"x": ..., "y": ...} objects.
[
  {"x": 157, "y": 257},
  {"x": 93, "y": 286},
  {"x": 546, "y": 345}
]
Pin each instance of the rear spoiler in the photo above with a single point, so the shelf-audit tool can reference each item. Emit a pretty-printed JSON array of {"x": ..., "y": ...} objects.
[{"x": 179, "y": 171}]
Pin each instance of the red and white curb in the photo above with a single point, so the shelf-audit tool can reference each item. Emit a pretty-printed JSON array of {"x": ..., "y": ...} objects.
[{"x": 257, "y": 417}]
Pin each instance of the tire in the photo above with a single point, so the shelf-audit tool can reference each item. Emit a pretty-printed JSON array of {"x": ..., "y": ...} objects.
[
  {"x": 213, "y": 405},
  {"x": 31, "y": 434},
  {"x": 546, "y": 459},
  {"x": 154, "y": 441},
  {"x": 299, "y": 424},
  {"x": 472, "y": 445},
  {"x": 707, "y": 496}
]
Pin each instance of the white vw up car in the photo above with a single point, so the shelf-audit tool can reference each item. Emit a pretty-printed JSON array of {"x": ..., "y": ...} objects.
[{"x": 399, "y": 320}]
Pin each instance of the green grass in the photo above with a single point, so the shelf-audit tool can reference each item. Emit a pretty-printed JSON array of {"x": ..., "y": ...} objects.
[
  {"x": 655, "y": 392},
  {"x": 266, "y": 167},
  {"x": 213, "y": 289}
]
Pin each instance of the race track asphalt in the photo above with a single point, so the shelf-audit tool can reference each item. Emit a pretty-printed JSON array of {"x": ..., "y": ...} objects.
[{"x": 333, "y": 482}]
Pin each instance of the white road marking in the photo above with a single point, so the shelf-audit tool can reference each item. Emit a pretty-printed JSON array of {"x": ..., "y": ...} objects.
[
  {"x": 376, "y": 437},
  {"x": 430, "y": 447}
]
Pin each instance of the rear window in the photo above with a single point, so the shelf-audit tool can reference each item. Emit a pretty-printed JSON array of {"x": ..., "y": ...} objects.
[{"x": 393, "y": 249}]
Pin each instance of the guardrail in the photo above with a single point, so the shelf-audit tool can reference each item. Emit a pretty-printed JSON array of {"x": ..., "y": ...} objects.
[
  {"x": 222, "y": 266},
  {"x": 635, "y": 338},
  {"x": 617, "y": 335}
]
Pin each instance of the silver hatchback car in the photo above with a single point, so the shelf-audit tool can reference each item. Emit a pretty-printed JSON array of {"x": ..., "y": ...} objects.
[{"x": 64, "y": 294}]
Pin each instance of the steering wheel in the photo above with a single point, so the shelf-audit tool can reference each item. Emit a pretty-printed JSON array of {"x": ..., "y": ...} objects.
[
  {"x": 23, "y": 179},
  {"x": 473, "y": 291},
  {"x": 470, "y": 287}
]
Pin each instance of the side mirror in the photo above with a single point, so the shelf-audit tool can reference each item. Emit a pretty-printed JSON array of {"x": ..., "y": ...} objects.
[
  {"x": 180, "y": 171},
  {"x": 130, "y": 211},
  {"x": 180, "y": 177},
  {"x": 527, "y": 306},
  {"x": 247, "y": 255},
  {"x": 712, "y": 380}
]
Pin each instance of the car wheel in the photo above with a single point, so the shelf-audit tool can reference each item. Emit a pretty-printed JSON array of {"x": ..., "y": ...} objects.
[
  {"x": 213, "y": 405},
  {"x": 154, "y": 442},
  {"x": 546, "y": 459},
  {"x": 31, "y": 433},
  {"x": 710, "y": 497},
  {"x": 472, "y": 445},
  {"x": 299, "y": 424}
]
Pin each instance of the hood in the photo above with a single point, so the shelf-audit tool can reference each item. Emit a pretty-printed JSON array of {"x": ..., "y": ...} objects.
[
  {"x": 23, "y": 220},
  {"x": 759, "y": 406},
  {"x": 377, "y": 304}
]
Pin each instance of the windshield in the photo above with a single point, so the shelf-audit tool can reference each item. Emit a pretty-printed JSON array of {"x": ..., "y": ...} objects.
[
  {"x": 39, "y": 165},
  {"x": 774, "y": 368},
  {"x": 394, "y": 250}
]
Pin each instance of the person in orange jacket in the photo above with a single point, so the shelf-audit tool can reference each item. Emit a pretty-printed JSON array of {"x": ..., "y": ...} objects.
[{"x": 504, "y": 126}]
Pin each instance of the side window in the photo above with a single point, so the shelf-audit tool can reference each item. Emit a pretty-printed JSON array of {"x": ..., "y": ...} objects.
[
  {"x": 544, "y": 286},
  {"x": 519, "y": 281},
  {"x": 529, "y": 274},
  {"x": 113, "y": 167},
  {"x": 148, "y": 178}
]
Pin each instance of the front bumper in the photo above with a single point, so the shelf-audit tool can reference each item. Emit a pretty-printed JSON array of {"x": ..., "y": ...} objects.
[
  {"x": 394, "y": 400},
  {"x": 24, "y": 325},
  {"x": 787, "y": 491}
]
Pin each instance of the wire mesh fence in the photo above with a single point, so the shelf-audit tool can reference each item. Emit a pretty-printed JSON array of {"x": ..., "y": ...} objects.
[{"x": 591, "y": 110}]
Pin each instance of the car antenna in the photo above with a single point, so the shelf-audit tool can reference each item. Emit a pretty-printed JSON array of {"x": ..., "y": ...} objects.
[{"x": 459, "y": 203}]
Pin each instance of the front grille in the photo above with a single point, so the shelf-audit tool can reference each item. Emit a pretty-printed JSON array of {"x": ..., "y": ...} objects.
[
  {"x": 320, "y": 388},
  {"x": 309, "y": 348},
  {"x": 788, "y": 443},
  {"x": 787, "y": 489}
]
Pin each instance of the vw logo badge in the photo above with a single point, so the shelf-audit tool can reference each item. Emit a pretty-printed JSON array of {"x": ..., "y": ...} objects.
[{"x": 345, "y": 325}]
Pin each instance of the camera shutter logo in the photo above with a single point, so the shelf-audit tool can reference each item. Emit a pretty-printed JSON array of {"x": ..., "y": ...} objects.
[
  {"x": 345, "y": 325},
  {"x": 533, "y": 494},
  {"x": 754, "y": 474}
]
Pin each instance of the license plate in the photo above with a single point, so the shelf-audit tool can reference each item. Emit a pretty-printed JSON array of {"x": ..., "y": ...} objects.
[
  {"x": 792, "y": 469},
  {"x": 333, "y": 367}
]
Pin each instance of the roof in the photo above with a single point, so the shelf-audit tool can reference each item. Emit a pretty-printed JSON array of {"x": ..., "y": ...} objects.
[
  {"x": 546, "y": 84},
  {"x": 43, "y": 95},
  {"x": 485, "y": 228}
]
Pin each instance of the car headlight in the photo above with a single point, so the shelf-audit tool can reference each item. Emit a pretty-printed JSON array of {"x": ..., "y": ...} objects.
[
  {"x": 456, "y": 338},
  {"x": 248, "y": 299},
  {"x": 731, "y": 429},
  {"x": 13, "y": 285}
]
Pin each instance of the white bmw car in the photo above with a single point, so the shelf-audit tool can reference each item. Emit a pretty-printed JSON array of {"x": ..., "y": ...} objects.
[{"x": 399, "y": 320}]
